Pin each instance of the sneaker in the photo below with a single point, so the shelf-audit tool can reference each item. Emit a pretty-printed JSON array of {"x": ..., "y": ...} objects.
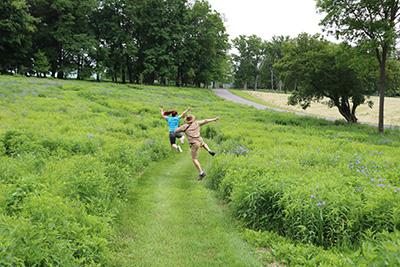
[
  {"x": 212, "y": 153},
  {"x": 179, "y": 149},
  {"x": 201, "y": 176}
]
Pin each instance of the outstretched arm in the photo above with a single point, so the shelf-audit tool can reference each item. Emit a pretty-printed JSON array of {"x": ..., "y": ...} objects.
[
  {"x": 162, "y": 113},
  {"x": 181, "y": 129},
  {"x": 206, "y": 121},
  {"x": 185, "y": 112}
]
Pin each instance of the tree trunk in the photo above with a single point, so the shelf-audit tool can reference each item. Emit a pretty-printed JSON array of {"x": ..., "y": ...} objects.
[
  {"x": 272, "y": 78},
  {"x": 114, "y": 73},
  {"x": 123, "y": 78},
  {"x": 129, "y": 66},
  {"x": 60, "y": 73},
  {"x": 255, "y": 83},
  {"x": 78, "y": 77},
  {"x": 163, "y": 81},
  {"x": 345, "y": 110},
  {"x": 382, "y": 87},
  {"x": 178, "y": 78},
  {"x": 245, "y": 85},
  {"x": 350, "y": 118}
]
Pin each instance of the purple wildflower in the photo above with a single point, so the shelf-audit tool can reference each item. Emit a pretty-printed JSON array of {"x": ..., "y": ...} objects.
[
  {"x": 358, "y": 189},
  {"x": 320, "y": 203},
  {"x": 312, "y": 197},
  {"x": 90, "y": 136},
  {"x": 381, "y": 185}
]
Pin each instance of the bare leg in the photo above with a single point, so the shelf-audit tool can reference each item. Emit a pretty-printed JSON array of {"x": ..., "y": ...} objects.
[
  {"x": 206, "y": 147},
  {"x": 212, "y": 153},
  {"x": 196, "y": 163}
]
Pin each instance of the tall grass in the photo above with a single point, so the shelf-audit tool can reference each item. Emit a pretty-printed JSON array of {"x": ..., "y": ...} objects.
[{"x": 69, "y": 151}]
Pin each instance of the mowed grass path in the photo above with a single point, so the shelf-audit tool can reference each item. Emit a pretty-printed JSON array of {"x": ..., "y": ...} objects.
[{"x": 171, "y": 219}]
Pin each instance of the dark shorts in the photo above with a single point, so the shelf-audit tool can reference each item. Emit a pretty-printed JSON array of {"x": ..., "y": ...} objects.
[{"x": 173, "y": 136}]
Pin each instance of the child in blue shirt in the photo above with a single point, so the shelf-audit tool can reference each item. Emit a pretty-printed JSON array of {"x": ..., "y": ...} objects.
[{"x": 173, "y": 119}]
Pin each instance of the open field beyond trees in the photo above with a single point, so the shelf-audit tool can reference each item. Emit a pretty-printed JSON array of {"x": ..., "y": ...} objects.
[
  {"x": 364, "y": 113},
  {"x": 87, "y": 178}
]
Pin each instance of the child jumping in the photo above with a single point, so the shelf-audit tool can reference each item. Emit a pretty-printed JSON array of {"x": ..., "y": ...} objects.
[
  {"x": 192, "y": 131},
  {"x": 173, "y": 123}
]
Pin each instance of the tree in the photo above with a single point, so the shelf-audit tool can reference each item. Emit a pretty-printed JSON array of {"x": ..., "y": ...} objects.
[
  {"x": 115, "y": 28},
  {"x": 16, "y": 27},
  {"x": 366, "y": 21},
  {"x": 273, "y": 53},
  {"x": 41, "y": 65},
  {"x": 248, "y": 61},
  {"x": 321, "y": 69},
  {"x": 139, "y": 40},
  {"x": 211, "y": 44},
  {"x": 64, "y": 33}
]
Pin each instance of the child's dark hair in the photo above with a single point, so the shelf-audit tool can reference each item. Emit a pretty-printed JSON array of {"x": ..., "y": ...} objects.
[{"x": 173, "y": 113}]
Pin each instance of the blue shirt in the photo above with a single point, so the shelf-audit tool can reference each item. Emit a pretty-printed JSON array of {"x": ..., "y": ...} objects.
[{"x": 173, "y": 123}]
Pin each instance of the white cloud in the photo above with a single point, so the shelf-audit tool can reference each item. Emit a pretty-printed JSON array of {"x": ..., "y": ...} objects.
[{"x": 267, "y": 18}]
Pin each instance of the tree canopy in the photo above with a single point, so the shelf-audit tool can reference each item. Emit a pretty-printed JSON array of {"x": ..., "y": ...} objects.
[
  {"x": 248, "y": 60},
  {"x": 137, "y": 41},
  {"x": 16, "y": 28},
  {"x": 322, "y": 70}
]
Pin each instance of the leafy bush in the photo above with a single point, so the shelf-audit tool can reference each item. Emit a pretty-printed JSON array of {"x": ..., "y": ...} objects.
[
  {"x": 52, "y": 231},
  {"x": 328, "y": 212},
  {"x": 16, "y": 143}
]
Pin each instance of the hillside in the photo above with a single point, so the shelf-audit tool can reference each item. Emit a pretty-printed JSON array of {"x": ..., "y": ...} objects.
[{"x": 85, "y": 181}]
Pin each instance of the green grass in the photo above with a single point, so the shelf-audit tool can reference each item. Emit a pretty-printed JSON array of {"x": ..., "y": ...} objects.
[
  {"x": 180, "y": 222},
  {"x": 72, "y": 155}
]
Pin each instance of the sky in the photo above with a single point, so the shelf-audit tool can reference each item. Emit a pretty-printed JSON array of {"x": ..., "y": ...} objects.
[{"x": 267, "y": 18}]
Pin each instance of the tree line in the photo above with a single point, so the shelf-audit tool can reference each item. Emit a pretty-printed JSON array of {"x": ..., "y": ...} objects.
[{"x": 137, "y": 41}]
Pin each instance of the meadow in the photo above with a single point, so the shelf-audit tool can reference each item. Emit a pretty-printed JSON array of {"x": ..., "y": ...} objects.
[
  {"x": 305, "y": 191},
  {"x": 364, "y": 113}
]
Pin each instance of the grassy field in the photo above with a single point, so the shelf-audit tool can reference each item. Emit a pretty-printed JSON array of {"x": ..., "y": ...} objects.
[
  {"x": 364, "y": 113},
  {"x": 85, "y": 181}
]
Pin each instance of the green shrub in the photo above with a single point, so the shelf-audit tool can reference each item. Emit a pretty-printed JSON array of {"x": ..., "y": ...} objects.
[
  {"x": 218, "y": 171},
  {"x": 16, "y": 143},
  {"x": 84, "y": 179},
  {"x": 53, "y": 232},
  {"x": 336, "y": 213},
  {"x": 278, "y": 248}
]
